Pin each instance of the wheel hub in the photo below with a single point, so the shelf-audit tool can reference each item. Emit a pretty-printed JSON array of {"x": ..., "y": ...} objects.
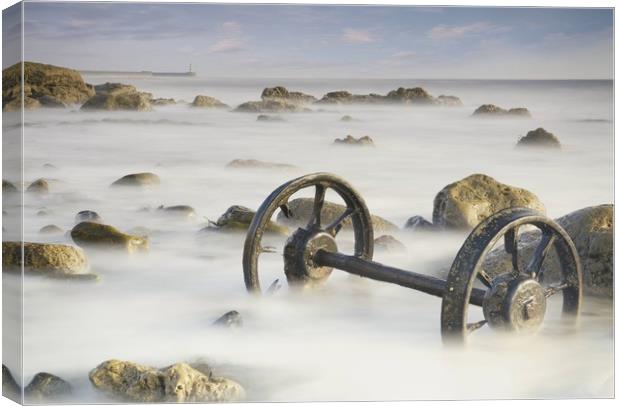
[
  {"x": 515, "y": 304},
  {"x": 299, "y": 265}
]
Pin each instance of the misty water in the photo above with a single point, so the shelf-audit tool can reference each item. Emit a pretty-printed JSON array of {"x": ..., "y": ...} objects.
[{"x": 356, "y": 339}]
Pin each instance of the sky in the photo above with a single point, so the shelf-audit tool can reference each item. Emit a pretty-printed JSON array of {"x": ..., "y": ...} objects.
[{"x": 320, "y": 41}]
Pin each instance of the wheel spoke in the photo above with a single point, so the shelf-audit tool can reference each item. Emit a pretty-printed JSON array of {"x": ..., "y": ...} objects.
[
  {"x": 286, "y": 210},
  {"x": 336, "y": 225},
  {"x": 552, "y": 290},
  {"x": 471, "y": 327},
  {"x": 533, "y": 268},
  {"x": 319, "y": 200},
  {"x": 484, "y": 277},
  {"x": 511, "y": 247},
  {"x": 274, "y": 287}
]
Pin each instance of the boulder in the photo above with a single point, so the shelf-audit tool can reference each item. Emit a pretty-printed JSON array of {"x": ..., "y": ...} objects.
[
  {"x": 95, "y": 235},
  {"x": 137, "y": 179},
  {"x": 344, "y": 97},
  {"x": 162, "y": 102},
  {"x": 364, "y": 141},
  {"x": 270, "y": 119},
  {"x": 389, "y": 243},
  {"x": 8, "y": 187},
  {"x": 280, "y": 93},
  {"x": 270, "y": 106},
  {"x": 591, "y": 230},
  {"x": 44, "y": 85},
  {"x": 10, "y": 388},
  {"x": 118, "y": 96},
  {"x": 40, "y": 186},
  {"x": 180, "y": 210},
  {"x": 415, "y": 95},
  {"x": 419, "y": 223},
  {"x": 208, "y": 102},
  {"x": 229, "y": 319},
  {"x": 50, "y": 229},
  {"x": 448, "y": 101},
  {"x": 53, "y": 260},
  {"x": 88, "y": 215},
  {"x": 238, "y": 219},
  {"x": 465, "y": 203},
  {"x": 346, "y": 118},
  {"x": 539, "y": 138},
  {"x": 47, "y": 386},
  {"x": 301, "y": 210},
  {"x": 180, "y": 382},
  {"x": 491, "y": 110},
  {"x": 519, "y": 112},
  {"x": 255, "y": 164}
]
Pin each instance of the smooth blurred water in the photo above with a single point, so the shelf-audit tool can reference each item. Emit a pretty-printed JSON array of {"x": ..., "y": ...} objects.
[{"x": 357, "y": 339}]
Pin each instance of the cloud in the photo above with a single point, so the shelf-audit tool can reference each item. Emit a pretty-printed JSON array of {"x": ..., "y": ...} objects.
[
  {"x": 357, "y": 36},
  {"x": 404, "y": 55},
  {"x": 443, "y": 31},
  {"x": 227, "y": 45}
]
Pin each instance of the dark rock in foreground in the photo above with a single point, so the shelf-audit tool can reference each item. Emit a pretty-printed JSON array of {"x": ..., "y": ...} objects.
[
  {"x": 539, "y": 138},
  {"x": 350, "y": 140},
  {"x": 229, "y": 319},
  {"x": 88, "y": 215},
  {"x": 255, "y": 164},
  {"x": 138, "y": 179},
  {"x": 47, "y": 386},
  {"x": 118, "y": 96},
  {"x": 102, "y": 236},
  {"x": 10, "y": 388},
  {"x": 491, "y": 110},
  {"x": 419, "y": 223}
]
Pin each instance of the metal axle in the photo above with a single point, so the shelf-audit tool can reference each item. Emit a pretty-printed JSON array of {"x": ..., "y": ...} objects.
[{"x": 374, "y": 270}]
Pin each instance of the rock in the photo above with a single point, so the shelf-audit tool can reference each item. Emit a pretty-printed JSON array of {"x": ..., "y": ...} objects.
[
  {"x": 344, "y": 97},
  {"x": 94, "y": 235},
  {"x": 229, "y": 319},
  {"x": 8, "y": 187},
  {"x": 88, "y": 215},
  {"x": 448, "y": 101},
  {"x": 591, "y": 230},
  {"x": 255, "y": 164},
  {"x": 44, "y": 85},
  {"x": 177, "y": 383},
  {"x": 539, "y": 138},
  {"x": 271, "y": 119},
  {"x": 49, "y": 166},
  {"x": 53, "y": 260},
  {"x": 280, "y": 93},
  {"x": 350, "y": 140},
  {"x": 238, "y": 219},
  {"x": 39, "y": 186},
  {"x": 50, "y": 229},
  {"x": 419, "y": 223},
  {"x": 10, "y": 388},
  {"x": 47, "y": 386},
  {"x": 208, "y": 101},
  {"x": 118, "y": 96},
  {"x": 162, "y": 102},
  {"x": 180, "y": 210},
  {"x": 519, "y": 112},
  {"x": 138, "y": 179},
  {"x": 270, "y": 106},
  {"x": 301, "y": 210},
  {"x": 42, "y": 213},
  {"x": 389, "y": 243},
  {"x": 346, "y": 118},
  {"x": 465, "y": 203},
  {"x": 492, "y": 110},
  {"x": 415, "y": 95}
]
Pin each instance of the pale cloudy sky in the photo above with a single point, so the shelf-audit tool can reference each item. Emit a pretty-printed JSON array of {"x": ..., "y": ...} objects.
[{"x": 321, "y": 41}]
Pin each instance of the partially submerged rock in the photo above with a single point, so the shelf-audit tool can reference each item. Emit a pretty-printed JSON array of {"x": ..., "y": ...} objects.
[
  {"x": 415, "y": 95},
  {"x": 95, "y": 235},
  {"x": 208, "y": 102},
  {"x": 364, "y": 141},
  {"x": 465, "y": 203},
  {"x": 238, "y": 219},
  {"x": 229, "y": 319},
  {"x": 448, "y": 101},
  {"x": 280, "y": 93},
  {"x": 118, "y": 96},
  {"x": 88, "y": 215},
  {"x": 256, "y": 164},
  {"x": 53, "y": 260},
  {"x": 301, "y": 210},
  {"x": 270, "y": 106},
  {"x": 137, "y": 179},
  {"x": 539, "y": 138},
  {"x": 346, "y": 118},
  {"x": 180, "y": 210},
  {"x": 44, "y": 85},
  {"x": 10, "y": 387},
  {"x": 50, "y": 229},
  {"x": 389, "y": 243},
  {"x": 39, "y": 186},
  {"x": 177, "y": 383},
  {"x": 47, "y": 386},
  {"x": 491, "y": 110},
  {"x": 270, "y": 119},
  {"x": 419, "y": 223},
  {"x": 344, "y": 97},
  {"x": 8, "y": 187}
]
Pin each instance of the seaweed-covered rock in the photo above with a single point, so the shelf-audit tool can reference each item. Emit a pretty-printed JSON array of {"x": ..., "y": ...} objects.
[
  {"x": 177, "y": 383},
  {"x": 301, "y": 210},
  {"x": 137, "y": 179},
  {"x": 53, "y": 260},
  {"x": 419, "y": 223},
  {"x": 39, "y": 186},
  {"x": 95, "y": 235},
  {"x": 46, "y": 386},
  {"x": 539, "y": 138},
  {"x": 364, "y": 141},
  {"x": 389, "y": 243},
  {"x": 281, "y": 93},
  {"x": 8, "y": 187},
  {"x": 44, "y": 85},
  {"x": 229, "y": 319},
  {"x": 238, "y": 219},
  {"x": 208, "y": 102},
  {"x": 270, "y": 106},
  {"x": 88, "y": 215},
  {"x": 118, "y": 96},
  {"x": 465, "y": 203},
  {"x": 50, "y": 229},
  {"x": 256, "y": 164}
]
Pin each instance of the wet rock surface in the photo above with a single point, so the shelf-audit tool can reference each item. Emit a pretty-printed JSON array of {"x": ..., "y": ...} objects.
[
  {"x": 176, "y": 383},
  {"x": 208, "y": 102},
  {"x": 88, "y": 215},
  {"x": 102, "y": 236},
  {"x": 52, "y": 260},
  {"x": 47, "y": 386},
  {"x": 465, "y": 203},
  {"x": 301, "y": 210},
  {"x": 138, "y": 179},
  {"x": 419, "y": 223},
  {"x": 118, "y": 96},
  {"x": 539, "y": 138},
  {"x": 238, "y": 218},
  {"x": 364, "y": 141}
]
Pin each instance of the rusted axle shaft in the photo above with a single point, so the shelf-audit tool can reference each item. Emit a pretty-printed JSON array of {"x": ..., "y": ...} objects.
[{"x": 380, "y": 272}]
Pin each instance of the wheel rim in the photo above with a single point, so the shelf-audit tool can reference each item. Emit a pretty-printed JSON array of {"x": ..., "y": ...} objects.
[
  {"x": 356, "y": 210},
  {"x": 467, "y": 266}
]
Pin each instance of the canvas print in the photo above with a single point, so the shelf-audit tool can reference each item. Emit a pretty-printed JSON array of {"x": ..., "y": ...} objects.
[{"x": 291, "y": 203}]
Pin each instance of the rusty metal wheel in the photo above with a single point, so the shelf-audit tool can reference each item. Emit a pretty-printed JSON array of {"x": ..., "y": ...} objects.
[
  {"x": 305, "y": 241},
  {"x": 515, "y": 300}
]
